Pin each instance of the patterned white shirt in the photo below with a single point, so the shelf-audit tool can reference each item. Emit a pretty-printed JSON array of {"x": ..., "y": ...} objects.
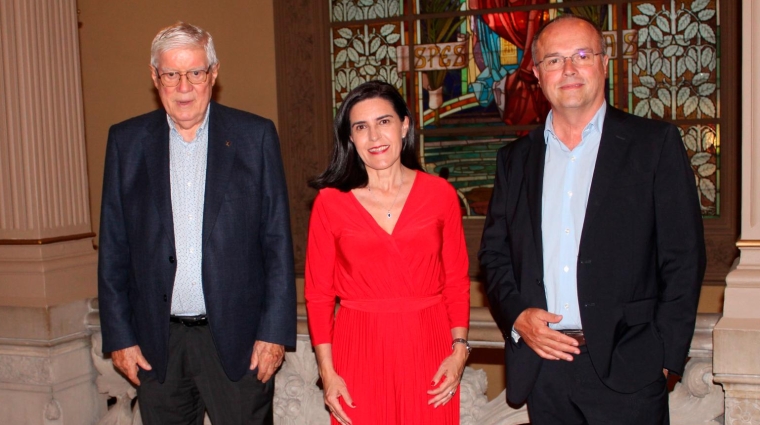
[{"x": 187, "y": 165}]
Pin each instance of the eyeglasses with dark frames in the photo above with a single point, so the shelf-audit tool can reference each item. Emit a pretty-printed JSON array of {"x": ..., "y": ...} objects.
[{"x": 172, "y": 78}]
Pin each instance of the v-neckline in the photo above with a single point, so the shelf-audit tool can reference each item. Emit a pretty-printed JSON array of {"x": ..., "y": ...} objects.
[{"x": 369, "y": 216}]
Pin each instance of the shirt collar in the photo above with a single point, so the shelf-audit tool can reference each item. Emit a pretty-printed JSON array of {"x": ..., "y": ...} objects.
[
  {"x": 200, "y": 130},
  {"x": 596, "y": 123}
]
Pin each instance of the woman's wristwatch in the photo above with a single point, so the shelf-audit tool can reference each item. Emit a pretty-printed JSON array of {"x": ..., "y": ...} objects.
[{"x": 462, "y": 341}]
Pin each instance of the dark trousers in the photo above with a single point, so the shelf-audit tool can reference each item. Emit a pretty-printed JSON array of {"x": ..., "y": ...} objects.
[
  {"x": 570, "y": 393},
  {"x": 195, "y": 382}
]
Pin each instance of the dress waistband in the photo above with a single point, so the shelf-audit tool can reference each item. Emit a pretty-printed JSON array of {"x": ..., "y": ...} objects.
[{"x": 392, "y": 305}]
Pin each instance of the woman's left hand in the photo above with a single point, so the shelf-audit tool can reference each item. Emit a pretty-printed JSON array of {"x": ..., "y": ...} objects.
[{"x": 449, "y": 374}]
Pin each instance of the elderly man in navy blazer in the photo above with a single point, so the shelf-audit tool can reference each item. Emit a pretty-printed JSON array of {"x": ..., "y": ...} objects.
[
  {"x": 195, "y": 280},
  {"x": 593, "y": 247}
]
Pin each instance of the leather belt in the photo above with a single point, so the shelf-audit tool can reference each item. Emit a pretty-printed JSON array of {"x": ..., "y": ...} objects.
[
  {"x": 190, "y": 321},
  {"x": 576, "y": 334}
]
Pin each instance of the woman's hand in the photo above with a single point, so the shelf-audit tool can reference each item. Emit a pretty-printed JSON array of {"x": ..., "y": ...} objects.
[
  {"x": 334, "y": 389},
  {"x": 449, "y": 374}
]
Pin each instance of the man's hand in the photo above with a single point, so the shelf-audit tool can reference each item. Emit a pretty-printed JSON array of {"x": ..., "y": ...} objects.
[
  {"x": 127, "y": 361},
  {"x": 267, "y": 357},
  {"x": 533, "y": 326}
]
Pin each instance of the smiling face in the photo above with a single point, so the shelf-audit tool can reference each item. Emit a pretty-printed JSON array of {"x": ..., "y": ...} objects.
[
  {"x": 185, "y": 103},
  {"x": 377, "y": 133},
  {"x": 571, "y": 89}
]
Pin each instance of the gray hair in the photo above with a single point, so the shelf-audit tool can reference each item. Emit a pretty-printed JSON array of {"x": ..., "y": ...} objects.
[
  {"x": 182, "y": 36},
  {"x": 537, "y": 36}
]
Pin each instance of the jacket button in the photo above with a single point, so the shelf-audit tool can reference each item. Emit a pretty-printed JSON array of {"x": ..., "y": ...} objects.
[
  {"x": 171, "y": 259},
  {"x": 165, "y": 298}
]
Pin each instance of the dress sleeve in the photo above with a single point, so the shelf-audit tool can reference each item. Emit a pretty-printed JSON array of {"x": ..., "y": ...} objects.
[
  {"x": 456, "y": 290},
  {"x": 319, "y": 290}
]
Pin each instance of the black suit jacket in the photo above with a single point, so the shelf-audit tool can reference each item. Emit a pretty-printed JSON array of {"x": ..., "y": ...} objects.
[
  {"x": 247, "y": 266},
  {"x": 641, "y": 258}
]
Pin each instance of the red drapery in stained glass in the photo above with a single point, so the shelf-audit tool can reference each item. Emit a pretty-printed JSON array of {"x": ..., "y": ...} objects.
[{"x": 524, "y": 102}]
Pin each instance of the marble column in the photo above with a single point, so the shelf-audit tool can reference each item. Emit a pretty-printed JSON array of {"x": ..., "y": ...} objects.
[
  {"x": 736, "y": 363},
  {"x": 47, "y": 261}
]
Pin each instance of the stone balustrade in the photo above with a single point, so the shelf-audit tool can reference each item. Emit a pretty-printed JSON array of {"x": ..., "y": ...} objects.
[{"x": 298, "y": 399}]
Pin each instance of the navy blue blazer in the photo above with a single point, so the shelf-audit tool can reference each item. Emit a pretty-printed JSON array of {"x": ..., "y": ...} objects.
[
  {"x": 641, "y": 258},
  {"x": 248, "y": 277}
]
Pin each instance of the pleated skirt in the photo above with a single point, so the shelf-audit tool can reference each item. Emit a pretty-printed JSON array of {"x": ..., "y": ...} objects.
[{"x": 388, "y": 356}]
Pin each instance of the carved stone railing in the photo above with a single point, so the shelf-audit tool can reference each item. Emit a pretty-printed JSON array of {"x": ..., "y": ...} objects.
[{"x": 298, "y": 399}]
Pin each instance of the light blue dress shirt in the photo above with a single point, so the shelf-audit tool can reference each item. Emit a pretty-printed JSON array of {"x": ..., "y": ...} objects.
[
  {"x": 567, "y": 182},
  {"x": 187, "y": 165}
]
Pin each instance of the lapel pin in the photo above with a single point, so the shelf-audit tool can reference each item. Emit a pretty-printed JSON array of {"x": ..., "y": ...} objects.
[{"x": 227, "y": 143}]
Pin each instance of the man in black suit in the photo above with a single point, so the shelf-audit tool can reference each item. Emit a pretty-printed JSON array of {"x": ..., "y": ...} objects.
[
  {"x": 196, "y": 284},
  {"x": 593, "y": 247}
]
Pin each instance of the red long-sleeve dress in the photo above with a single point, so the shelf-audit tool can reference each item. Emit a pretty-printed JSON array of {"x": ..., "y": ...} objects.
[{"x": 400, "y": 295}]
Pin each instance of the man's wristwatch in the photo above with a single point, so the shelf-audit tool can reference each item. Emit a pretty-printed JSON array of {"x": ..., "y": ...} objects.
[{"x": 462, "y": 341}]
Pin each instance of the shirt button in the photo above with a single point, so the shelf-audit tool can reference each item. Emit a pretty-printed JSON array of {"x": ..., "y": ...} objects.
[
  {"x": 567, "y": 230},
  {"x": 189, "y": 184},
  {"x": 566, "y": 269},
  {"x": 570, "y": 193},
  {"x": 567, "y": 306},
  {"x": 572, "y": 158}
]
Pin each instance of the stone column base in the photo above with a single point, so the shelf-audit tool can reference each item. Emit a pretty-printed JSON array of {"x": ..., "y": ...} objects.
[
  {"x": 47, "y": 380},
  {"x": 737, "y": 368}
]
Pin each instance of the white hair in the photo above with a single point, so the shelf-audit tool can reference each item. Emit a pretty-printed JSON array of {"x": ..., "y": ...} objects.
[{"x": 182, "y": 36}]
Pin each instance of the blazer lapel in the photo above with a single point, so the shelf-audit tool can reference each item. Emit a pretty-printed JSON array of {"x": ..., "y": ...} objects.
[
  {"x": 534, "y": 185},
  {"x": 156, "y": 148},
  {"x": 221, "y": 154},
  {"x": 612, "y": 148}
]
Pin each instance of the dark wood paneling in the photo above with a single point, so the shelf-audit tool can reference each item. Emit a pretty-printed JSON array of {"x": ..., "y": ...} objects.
[{"x": 303, "y": 105}]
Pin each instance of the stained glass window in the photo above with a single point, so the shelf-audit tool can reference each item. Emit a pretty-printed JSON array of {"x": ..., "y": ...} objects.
[{"x": 465, "y": 68}]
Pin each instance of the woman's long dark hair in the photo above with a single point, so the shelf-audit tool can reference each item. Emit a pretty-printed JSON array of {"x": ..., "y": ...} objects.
[{"x": 346, "y": 169}]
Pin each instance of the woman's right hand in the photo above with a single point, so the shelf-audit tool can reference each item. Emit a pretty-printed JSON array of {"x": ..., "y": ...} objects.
[{"x": 334, "y": 389}]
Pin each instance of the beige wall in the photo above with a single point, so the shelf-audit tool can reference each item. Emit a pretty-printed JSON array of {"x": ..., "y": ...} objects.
[{"x": 115, "y": 39}]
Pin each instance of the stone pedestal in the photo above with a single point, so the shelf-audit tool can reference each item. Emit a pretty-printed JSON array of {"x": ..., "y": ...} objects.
[
  {"x": 46, "y": 374},
  {"x": 47, "y": 261},
  {"x": 736, "y": 363}
]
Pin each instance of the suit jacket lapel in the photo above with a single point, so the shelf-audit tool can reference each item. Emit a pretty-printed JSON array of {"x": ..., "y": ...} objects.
[
  {"x": 221, "y": 154},
  {"x": 612, "y": 148},
  {"x": 156, "y": 148},
  {"x": 534, "y": 186}
]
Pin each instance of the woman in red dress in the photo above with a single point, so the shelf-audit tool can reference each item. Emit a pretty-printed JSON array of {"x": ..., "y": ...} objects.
[{"x": 386, "y": 239}]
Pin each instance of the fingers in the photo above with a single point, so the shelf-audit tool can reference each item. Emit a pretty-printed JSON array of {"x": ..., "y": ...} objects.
[
  {"x": 267, "y": 357},
  {"x": 254, "y": 360},
  {"x": 127, "y": 360},
  {"x": 438, "y": 376},
  {"x": 532, "y": 325},
  {"x": 143, "y": 362},
  {"x": 340, "y": 414},
  {"x": 552, "y": 349},
  {"x": 336, "y": 409},
  {"x": 444, "y": 393},
  {"x": 449, "y": 382}
]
